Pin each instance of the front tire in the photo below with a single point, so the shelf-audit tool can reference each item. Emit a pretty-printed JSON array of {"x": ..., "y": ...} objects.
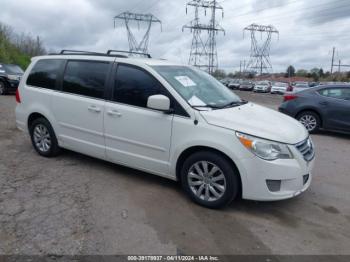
[
  {"x": 209, "y": 179},
  {"x": 43, "y": 138},
  {"x": 310, "y": 120}
]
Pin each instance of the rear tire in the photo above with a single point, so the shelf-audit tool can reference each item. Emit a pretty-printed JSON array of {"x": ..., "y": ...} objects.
[
  {"x": 209, "y": 179},
  {"x": 43, "y": 138},
  {"x": 2, "y": 88},
  {"x": 310, "y": 120}
]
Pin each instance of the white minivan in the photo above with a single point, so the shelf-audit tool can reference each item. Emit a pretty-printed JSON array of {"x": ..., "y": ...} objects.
[{"x": 167, "y": 119}]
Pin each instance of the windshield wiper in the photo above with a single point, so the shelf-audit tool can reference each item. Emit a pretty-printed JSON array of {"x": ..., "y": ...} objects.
[
  {"x": 210, "y": 106},
  {"x": 234, "y": 103}
]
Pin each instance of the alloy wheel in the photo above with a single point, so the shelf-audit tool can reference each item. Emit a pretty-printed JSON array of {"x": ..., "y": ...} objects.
[
  {"x": 42, "y": 138},
  {"x": 309, "y": 122},
  {"x": 206, "y": 181}
]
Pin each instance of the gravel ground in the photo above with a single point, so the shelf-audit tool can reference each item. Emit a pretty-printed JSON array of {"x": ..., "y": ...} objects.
[{"x": 77, "y": 205}]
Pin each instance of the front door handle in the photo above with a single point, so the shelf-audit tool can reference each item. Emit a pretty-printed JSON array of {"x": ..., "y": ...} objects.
[
  {"x": 323, "y": 103},
  {"x": 114, "y": 113},
  {"x": 94, "y": 109}
]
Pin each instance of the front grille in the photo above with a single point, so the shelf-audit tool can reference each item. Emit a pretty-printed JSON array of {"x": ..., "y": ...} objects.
[{"x": 306, "y": 148}]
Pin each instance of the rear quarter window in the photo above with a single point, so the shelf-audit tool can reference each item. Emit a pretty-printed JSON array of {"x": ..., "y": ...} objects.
[{"x": 44, "y": 73}]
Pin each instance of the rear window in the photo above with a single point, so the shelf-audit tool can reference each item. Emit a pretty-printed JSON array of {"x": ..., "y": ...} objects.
[
  {"x": 44, "y": 73},
  {"x": 85, "y": 78}
]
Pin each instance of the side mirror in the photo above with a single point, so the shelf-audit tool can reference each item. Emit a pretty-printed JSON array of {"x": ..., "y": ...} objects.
[{"x": 159, "y": 102}]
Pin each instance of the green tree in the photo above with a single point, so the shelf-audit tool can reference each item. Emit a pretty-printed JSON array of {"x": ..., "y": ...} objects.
[
  {"x": 18, "y": 48},
  {"x": 219, "y": 74},
  {"x": 302, "y": 72},
  {"x": 315, "y": 73},
  {"x": 290, "y": 71},
  {"x": 231, "y": 75},
  {"x": 321, "y": 73}
]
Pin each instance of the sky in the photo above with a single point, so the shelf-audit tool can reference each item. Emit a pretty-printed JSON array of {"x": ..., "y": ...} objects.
[{"x": 308, "y": 29}]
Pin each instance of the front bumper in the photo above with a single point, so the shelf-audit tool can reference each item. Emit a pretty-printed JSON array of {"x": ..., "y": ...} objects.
[
  {"x": 290, "y": 172},
  {"x": 12, "y": 85},
  {"x": 262, "y": 90}
]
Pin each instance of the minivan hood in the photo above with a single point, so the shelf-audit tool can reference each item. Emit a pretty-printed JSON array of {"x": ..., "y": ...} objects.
[{"x": 258, "y": 121}]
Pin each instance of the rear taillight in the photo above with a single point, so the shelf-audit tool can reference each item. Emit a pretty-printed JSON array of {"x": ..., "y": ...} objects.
[
  {"x": 18, "y": 98},
  {"x": 289, "y": 89},
  {"x": 289, "y": 97}
]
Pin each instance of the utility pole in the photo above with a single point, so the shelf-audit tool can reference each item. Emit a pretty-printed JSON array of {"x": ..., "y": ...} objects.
[
  {"x": 147, "y": 19},
  {"x": 204, "y": 51},
  {"x": 260, "y": 55},
  {"x": 332, "y": 60},
  {"x": 339, "y": 66}
]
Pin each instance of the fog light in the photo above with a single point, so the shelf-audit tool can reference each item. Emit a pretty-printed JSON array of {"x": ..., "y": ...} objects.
[
  {"x": 305, "y": 179},
  {"x": 274, "y": 185}
]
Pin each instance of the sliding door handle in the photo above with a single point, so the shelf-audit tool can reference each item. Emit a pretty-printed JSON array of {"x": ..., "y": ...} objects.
[
  {"x": 94, "y": 109},
  {"x": 114, "y": 113}
]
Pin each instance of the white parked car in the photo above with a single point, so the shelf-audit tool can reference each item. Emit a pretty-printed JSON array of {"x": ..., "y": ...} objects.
[
  {"x": 279, "y": 88},
  {"x": 300, "y": 86},
  {"x": 167, "y": 119},
  {"x": 262, "y": 86}
]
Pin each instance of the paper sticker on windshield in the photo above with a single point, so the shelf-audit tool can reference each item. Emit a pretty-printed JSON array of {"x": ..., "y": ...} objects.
[
  {"x": 185, "y": 81},
  {"x": 195, "y": 101}
]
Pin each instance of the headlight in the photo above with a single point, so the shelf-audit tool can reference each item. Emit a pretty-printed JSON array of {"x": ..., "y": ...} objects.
[
  {"x": 265, "y": 149},
  {"x": 13, "y": 77}
]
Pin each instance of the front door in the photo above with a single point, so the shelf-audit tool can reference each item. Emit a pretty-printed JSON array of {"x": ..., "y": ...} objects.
[
  {"x": 135, "y": 135},
  {"x": 336, "y": 104}
]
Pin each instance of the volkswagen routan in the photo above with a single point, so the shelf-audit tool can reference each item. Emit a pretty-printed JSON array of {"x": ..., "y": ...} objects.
[{"x": 167, "y": 119}]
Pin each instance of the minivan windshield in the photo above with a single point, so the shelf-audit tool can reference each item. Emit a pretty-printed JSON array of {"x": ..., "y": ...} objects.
[{"x": 197, "y": 87}]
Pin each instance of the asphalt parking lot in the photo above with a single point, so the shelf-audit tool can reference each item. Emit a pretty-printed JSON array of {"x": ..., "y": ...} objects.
[{"x": 74, "y": 204}]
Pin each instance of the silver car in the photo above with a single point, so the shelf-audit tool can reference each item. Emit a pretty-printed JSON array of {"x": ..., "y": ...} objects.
[{"x": 279, "y": 88}]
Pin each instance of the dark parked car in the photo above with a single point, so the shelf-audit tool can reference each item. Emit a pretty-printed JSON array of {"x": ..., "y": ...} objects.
[
  {"x": 234, "y": 84},
  {"x": 326, "y": 107},
  {"x": 246, "y": 85},
  {"x": 10, "y": 75}
]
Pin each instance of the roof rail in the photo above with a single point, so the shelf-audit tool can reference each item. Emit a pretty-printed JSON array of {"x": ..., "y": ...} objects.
[
  {"x": 78, "y": 52},
  {"x": 109, "y": 53},
  {"x": 129, "y": 52}
]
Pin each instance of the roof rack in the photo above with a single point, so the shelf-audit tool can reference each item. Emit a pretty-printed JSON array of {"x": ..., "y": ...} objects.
[
  {"x": 72, "y": 52},
  {"x": 109, "y": 53},
  {"x": 129, "y": 52}
]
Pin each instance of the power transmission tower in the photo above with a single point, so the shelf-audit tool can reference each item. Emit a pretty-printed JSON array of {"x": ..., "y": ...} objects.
[
  {"x": 204, "y": 54},
  {"x": 339, "y": 63},
  {"x": 260, "y": 54},
  {"x": 198, "y": 46},
  {"x": 147, "y": 19},
  {"x": 332, "y": 60}
]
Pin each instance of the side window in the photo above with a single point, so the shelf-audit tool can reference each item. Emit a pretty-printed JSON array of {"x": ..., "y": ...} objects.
[
  {"x": 44, "y": 73},
  {"x": 340, "y": 93},
  {"x": 133, "y": 86},
  {"x": 85, "y": 78}
]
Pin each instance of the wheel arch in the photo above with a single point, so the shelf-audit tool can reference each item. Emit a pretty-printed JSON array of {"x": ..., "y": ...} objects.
[
  {"x": 193, "y": 149},
  {"x": 33, "y": 116}
]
